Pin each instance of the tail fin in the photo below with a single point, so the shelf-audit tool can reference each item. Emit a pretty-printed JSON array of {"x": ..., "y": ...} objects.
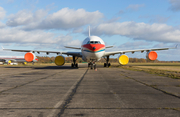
[{"x": 89, "y": 31}]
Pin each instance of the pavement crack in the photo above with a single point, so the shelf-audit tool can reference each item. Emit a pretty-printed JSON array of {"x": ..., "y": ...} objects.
[
  {"x": 152, "y": 86},
  {"x": 69, "y": 98},
  {"x": 27, "y": 83}
]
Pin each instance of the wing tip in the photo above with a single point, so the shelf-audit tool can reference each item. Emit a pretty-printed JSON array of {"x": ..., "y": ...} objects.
[
  {"x": 2, "y": 47},
  {"x": 176, "y": 46}
]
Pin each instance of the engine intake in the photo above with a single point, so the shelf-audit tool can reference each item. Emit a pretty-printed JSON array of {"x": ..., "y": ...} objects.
[
  {"x": 59, "y": 60},
  {"x": 29, "y": 57},
  {"x": 123, "y": 59},
  {"x": 152, "y": 55}
]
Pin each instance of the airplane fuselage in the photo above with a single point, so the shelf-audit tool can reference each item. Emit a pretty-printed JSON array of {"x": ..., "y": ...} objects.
[{"x": 93, "y": 48}]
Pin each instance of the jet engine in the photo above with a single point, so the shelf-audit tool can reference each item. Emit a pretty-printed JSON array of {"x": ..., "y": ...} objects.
[
  {"x": 123, "y": 59},
  {"x": 30, "y": 57},
  {"x": 59, "y": 60},
  {"x": 152, "y": 55}
]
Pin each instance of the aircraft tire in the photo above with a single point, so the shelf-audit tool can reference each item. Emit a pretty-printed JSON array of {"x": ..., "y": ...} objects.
[
  {"x": 95, "y": 66},
  {"x": 104, "y": 64},
  {"x": 76, "y": 65}
]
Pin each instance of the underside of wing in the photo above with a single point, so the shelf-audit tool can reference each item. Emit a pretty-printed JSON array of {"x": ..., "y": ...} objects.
[{"x": 133, "y": 51}]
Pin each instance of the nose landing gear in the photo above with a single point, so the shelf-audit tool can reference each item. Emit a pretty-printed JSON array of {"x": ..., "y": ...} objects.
[{"x": 92, "y": 65}]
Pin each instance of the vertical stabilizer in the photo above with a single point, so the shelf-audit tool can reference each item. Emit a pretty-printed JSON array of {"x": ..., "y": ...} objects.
[{"x": 89, "y": 31}]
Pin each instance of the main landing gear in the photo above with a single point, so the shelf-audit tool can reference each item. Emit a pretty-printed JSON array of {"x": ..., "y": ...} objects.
[
  {"x": 74, "y": 64},
  {"x": 92, "y": 65},
  {"x": 107, "y": 64}
]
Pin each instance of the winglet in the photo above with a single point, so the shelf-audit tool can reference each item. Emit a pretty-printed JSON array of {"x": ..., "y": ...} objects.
[
  {"x": 2, "y": 47},
  {"x": 176, "y": 46}
]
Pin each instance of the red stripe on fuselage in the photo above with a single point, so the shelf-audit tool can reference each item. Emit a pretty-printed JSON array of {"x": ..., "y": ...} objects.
[{"x": 91, "y": 46}]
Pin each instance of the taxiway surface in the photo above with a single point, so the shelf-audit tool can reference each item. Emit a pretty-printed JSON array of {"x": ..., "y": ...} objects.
[{"x": 65, "y": 92}]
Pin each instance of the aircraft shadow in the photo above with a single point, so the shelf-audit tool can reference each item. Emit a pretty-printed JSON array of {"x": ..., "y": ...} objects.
[
  {"x": 42, "y": 67},
  {"x": 55, "y": 67}
]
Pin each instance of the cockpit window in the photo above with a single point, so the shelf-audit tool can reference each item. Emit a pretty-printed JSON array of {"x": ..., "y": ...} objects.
[{"x": 93, "y": 42}]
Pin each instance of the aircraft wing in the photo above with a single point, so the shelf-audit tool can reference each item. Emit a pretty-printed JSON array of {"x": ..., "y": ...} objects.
[
  {"x": 139, "y": 50},
  {"x": 78, "y": 54}
]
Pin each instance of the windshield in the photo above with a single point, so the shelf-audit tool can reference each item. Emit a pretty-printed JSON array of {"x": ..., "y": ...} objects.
[{"x": 94, "y": 42}]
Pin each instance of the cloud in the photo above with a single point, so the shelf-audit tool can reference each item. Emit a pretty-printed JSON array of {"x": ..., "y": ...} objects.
[
  {"x": 134, "y": 45},
  {"x": 14, "y": 35},
  {"x": 38, "y": 38},
  {"x": 155, "y": 18},
  {"x": 2, "y": 13},
  {"x": 175, "y": 5},
  {"x": 10, "y": 1},
  {"x": 63, "y": 19},
  {"x": 141, "y": 31},
  {"x": 68, "y": 18},
  {"x": 2, "y": 25},
  {"x": 25, "y": 17},
  {"x": 135, "y": 7},
  {"x": 160, "y": 19}
]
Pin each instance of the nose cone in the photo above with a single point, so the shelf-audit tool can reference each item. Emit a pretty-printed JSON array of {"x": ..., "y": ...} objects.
[{"x": 94, "y": 48}]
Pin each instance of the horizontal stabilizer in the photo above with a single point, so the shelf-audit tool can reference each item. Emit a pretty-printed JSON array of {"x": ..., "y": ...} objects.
[
  {"x": 72, "y": 47},
  {"x": 109, "y": 46}
]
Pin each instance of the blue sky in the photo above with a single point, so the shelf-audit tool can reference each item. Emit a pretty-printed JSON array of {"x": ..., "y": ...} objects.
[{"x": 53, "y": 24}]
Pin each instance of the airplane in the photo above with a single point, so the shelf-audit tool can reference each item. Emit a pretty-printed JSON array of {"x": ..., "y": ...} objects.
[
  {"x": 92, "y": 50},
  {"x": 13, "y": 60}
]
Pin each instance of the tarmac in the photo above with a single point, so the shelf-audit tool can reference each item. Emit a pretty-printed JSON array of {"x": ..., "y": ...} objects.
[{"x": 52, "y": 91}]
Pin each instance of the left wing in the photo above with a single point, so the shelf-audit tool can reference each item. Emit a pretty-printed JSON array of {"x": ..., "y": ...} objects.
[
  {"x": 140, "y": 50},
  {"x": 78, "y": 54}
]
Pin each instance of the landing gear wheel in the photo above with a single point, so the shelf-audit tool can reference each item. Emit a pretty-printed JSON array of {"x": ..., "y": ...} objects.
[
  {"x": 104, "y": 64},
  {"x": 74, "y": 64},
  {"x": 109, "y": 64},
  {"x": 95, "y": 67},
  {"x": 92, "y": 66},
  {"x": 89, "y": 64}
]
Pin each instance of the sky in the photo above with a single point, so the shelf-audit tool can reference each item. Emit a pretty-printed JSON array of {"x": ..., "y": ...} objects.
[{"x": 52, "y": 24}]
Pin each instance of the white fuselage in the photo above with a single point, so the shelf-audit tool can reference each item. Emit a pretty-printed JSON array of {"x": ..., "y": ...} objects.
[{"x": 93, "y": 48}]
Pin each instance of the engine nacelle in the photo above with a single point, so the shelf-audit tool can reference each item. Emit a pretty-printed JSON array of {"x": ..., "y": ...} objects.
[
  {"x": 123, "y": 59},
  {"x": 59, "y": 60},
  {"x": 152, "y": 55},
  {"x": 30, "y": 57}
]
